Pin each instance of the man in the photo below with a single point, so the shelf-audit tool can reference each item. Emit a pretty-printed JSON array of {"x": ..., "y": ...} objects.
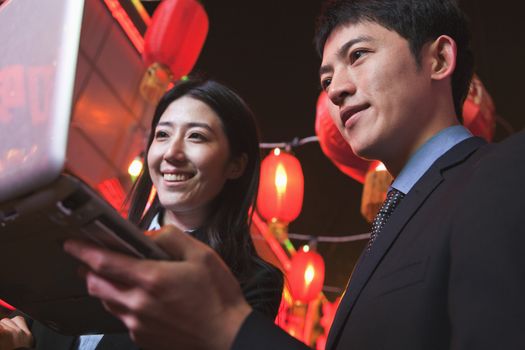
[{"x": 445, "y": 268}]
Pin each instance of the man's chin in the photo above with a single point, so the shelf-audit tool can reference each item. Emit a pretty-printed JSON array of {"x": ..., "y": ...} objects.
[{"x": 363, "y": 151}]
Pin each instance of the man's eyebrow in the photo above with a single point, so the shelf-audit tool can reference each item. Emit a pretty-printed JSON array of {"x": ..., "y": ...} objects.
[{"x": 341, "y": 53}]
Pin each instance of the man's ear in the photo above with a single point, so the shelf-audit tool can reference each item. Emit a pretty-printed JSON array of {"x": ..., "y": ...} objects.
[
  {"x": 443, "y": 52},
  {"x": 236, "y": 166}
]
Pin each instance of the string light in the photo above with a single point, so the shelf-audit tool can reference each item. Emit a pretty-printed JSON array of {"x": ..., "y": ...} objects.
[
  {"x": 296, "y": 142},
  {"x": 331, "y": 239},
  {"x": 135, "y": 167}
]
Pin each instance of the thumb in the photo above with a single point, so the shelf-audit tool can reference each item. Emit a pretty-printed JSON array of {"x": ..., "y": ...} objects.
[{"x": 176, "y": 243}]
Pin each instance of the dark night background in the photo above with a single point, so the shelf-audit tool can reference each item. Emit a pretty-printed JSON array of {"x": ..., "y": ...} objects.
[{"x": 263, "y": 49}]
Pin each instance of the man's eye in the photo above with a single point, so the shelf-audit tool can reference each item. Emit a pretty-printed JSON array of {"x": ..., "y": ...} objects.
[
  {"x": 357, "y": 54},
  {"x": 325, "y": 83}
]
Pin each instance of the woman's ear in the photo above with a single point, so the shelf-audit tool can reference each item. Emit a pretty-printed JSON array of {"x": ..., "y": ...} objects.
[
  {"x": 236, "y": 166},
  {"x": 443, "y": 52}
]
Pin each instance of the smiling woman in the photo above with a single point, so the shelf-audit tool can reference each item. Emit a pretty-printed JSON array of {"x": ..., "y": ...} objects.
[
  {"x": 189, "y": 161},
  {"x": 203, "y": 159}
]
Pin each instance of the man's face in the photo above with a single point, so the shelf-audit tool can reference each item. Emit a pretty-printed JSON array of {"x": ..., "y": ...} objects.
[{"x": 383, "y": 97}]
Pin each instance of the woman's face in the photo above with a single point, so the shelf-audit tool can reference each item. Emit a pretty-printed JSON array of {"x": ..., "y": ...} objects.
[{"x": 189, "y": 159}]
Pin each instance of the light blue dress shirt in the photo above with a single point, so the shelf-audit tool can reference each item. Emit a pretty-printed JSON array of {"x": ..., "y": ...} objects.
[
  {"x": 89, "y": 342},
  {"x": 427, "y": 154}
]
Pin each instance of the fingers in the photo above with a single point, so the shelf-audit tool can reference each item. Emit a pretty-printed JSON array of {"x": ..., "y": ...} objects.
[
  {"x": 179, "y": 245},
  {"x": 21, "y": 323},
  {"x": 109, "y": 291},
  {"x": 12, "y": 336},
  {"x": 103, "y": 262},
  {"x": 8, "y": 323}
]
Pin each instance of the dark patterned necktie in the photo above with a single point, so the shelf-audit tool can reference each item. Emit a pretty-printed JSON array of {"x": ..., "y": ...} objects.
[{"x": 392, "y": 200}]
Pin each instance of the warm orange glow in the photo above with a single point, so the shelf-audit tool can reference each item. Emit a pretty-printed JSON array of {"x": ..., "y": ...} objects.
[
  {"x": 280, "y": 179},
  {"x": 281, "y": 187},
  {"x": 309, "y": 274},
  {"x": 135, "y": 167},
  {"x": 142, "y": 11},
  {"x": 306, "y": 275},
  {"x": 380, "y": 167},
  {"x": 151, "y": 197},
  {"x": 126, "y": 23}
]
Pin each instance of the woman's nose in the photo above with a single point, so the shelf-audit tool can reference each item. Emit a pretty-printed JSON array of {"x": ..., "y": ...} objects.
[{"x": 175, "y": 151}]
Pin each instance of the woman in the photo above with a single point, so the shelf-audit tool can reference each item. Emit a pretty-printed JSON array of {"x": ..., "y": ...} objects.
[
  {"x": 208, "y": 183},
  {"x": 203, "y": 160}
]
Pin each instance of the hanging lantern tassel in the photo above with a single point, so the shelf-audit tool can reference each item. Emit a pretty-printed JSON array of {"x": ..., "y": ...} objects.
[
  {"x": 377, "y": 181},
  {"x": 155, "y": 82},
  {"x": 172, "y": 44}
]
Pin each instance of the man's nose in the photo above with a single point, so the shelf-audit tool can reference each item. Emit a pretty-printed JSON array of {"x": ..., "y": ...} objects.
[{"x": 340, "y": 88}]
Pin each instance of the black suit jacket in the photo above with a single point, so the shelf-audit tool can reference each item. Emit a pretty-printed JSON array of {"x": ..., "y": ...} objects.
[
  {"x": 46, "y": 339},
  {"x": 444, "y": 273}
]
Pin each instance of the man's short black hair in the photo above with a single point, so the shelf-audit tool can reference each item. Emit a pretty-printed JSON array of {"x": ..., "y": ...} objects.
[{"x": 418, "y": 21}]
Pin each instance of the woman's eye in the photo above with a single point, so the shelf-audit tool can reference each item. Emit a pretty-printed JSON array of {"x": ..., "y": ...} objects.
[
  {"x": 325, "y": 83},
  {"x": 197, "y": 136},
  {"x": 159, "y": 134}
]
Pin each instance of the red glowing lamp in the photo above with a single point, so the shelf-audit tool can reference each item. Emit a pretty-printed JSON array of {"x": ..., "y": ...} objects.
[
  {"x": 281, "y": 187},
  {"x": 172, "y": 44},
  {"x": 306, "y": 275},
  {"x": 479, "y": 112},
  {"x": 334, "y": 145}
]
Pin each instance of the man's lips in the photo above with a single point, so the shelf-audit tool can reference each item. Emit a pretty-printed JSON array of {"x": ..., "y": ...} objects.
[{"x": 347, "y": 112}]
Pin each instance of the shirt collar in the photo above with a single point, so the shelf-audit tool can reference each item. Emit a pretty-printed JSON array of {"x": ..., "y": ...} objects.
[
  {"x": 427, "y": 154},
  {"x": 155, "y": 224}
]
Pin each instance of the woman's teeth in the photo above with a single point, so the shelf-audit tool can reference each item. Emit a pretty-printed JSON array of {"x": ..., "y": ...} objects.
[{"x": 176, "y": 177}]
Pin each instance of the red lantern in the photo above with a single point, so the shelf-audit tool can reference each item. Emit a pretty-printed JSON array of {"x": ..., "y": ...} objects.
[
  {"x": 306, "y": 275},
  {"x": 172, "y": 44},
  {"x": 334, "y": 145},
  {"x": 281, "y": 187},
  {"x": 478, "y": 111}
]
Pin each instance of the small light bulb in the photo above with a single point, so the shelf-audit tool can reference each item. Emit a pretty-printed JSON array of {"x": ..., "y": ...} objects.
[{"x": 135, "y": 167}]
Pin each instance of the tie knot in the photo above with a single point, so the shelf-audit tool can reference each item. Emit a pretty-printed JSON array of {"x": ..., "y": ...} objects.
[{"x": 393, "y": 198}]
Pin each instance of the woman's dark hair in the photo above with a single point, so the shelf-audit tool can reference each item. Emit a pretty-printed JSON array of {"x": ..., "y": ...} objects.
[
  {"x": 227, "y": 228},
  {"x": 418, "y": 21}
]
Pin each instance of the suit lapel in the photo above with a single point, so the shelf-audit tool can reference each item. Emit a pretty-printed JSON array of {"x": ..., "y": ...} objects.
[{"x": 409, "y": 206}]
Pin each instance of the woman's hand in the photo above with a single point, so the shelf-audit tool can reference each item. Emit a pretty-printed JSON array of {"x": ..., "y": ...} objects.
[{"x": 14, "y": 334}]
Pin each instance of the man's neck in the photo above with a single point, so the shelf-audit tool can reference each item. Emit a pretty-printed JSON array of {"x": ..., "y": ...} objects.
[{"x": 398, "y": 161}]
